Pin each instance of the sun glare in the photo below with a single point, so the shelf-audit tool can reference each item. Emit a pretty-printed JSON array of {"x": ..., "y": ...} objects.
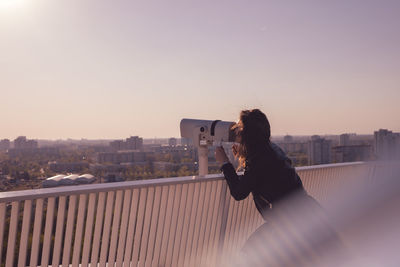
[{"x": 10, "y": 3}]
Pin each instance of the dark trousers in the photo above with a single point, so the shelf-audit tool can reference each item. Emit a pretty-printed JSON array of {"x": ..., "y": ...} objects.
[{"x": 294, "y": 235}]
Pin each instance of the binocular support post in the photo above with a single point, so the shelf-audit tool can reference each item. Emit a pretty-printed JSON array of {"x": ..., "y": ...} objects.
[{"x": 203, "y": 160}]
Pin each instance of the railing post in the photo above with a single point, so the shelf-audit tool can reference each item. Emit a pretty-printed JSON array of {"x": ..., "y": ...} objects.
[
  {"x": 12, "y": 234},
  {"x": 2, "y": 223},
  {"x": 223, "y": 210}
]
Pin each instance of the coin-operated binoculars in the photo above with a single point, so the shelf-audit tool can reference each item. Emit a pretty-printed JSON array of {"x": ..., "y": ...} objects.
[{"x": 205, "y": 133}]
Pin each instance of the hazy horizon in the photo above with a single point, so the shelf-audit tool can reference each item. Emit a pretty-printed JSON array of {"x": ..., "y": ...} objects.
[
  {"x": 109, "y": 70},
  {"x": 167, "y": 137}
]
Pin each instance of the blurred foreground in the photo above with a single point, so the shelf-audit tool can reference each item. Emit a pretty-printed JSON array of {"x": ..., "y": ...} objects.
[{"x": 364, "y": 211}]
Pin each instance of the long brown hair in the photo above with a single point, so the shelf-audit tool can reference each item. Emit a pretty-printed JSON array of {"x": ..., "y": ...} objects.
[{"x": 253, "y": 131}]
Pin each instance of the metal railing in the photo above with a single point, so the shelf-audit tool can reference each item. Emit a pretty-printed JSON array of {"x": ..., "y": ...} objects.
[{"x": 184, "y": 221}]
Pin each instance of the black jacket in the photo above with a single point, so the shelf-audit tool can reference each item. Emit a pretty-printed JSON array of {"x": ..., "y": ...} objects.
[{"x": 268, "y": 175}]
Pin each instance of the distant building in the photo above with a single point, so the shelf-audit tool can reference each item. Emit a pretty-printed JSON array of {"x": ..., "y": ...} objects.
[
  {"x": 22, "y": 143},
  {"x": 344, "y": 140},
  {"x": 152, "y": 148},
  {"x": 181, "y": 152},
  {"x": 186, "y": 142},
  {"x": 172, "y": 142},
  {"x": 45, "y": 151},
  {"x": 131, "y": 143},
  {"x": 117, "y": 145},
  {"x": 288, "y": 139},
  {"x": 296, "y": 151},
  {"x": 351, "y": 153},
  {"x": 72, "y": 179},
  {"x": 319, "y": 151},
  {"x": 4, "y": 144},
  {"x": 121, "y": 157},
  {"x": 294, "y": 147},
  {"x": 19, "y": 142},
  {"x": 387, "y": 144},
  {"x": 134, "y": 143}
]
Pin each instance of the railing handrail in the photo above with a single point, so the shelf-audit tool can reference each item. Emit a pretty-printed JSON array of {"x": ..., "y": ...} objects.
[
  {"x": 331, "y": 165},
  {"x": 94, "y": 188}
]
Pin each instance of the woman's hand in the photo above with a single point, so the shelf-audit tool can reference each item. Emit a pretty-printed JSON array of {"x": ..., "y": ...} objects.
[{"x": 220, "y": 155}]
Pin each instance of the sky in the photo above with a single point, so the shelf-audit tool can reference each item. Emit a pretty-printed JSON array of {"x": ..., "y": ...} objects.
[{"x": 111, "y": 69}]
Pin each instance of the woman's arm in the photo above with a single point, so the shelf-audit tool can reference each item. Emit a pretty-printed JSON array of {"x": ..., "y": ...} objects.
[{"x": 239, "y": 186}]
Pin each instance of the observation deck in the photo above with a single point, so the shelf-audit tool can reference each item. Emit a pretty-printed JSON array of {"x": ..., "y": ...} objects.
[{"x": 183, "y": 221}]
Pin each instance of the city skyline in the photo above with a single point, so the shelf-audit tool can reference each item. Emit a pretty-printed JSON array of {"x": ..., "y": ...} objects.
[
  {"x": 102, "y": 70},
  {"x": 166, "y": 138},
  {"x": 178, "y": 136}
]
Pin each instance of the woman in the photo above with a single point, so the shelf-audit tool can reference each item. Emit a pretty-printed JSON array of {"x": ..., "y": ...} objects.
[{"x": 270, "y": 177}]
